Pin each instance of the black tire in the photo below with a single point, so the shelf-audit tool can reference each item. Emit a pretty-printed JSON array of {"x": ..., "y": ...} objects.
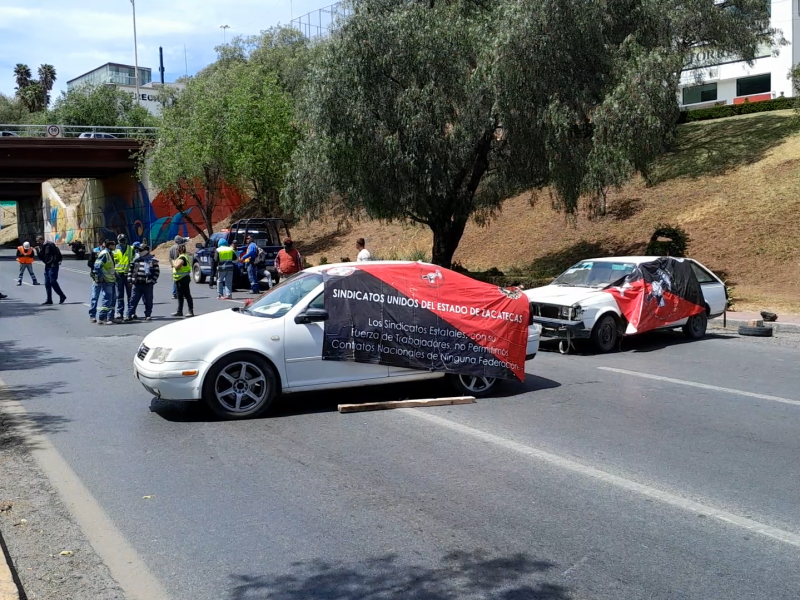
[
  {"x": 481, "y": 387},
  {"x": 605, "y": 334},
  {"x": 755, "y": 331},
  {"x": 223, "y": 404},
  {"x": 197, "y": 274},
  {"x": 695, "y": 327}
]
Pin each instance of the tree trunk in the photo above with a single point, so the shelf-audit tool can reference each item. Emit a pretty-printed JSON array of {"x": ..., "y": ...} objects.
[{"x": 446, "y": 237}]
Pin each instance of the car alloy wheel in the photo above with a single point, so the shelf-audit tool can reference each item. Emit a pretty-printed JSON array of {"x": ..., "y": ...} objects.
[
  {"x": 473, "y": 385},
  {"x": 241, "y": 387},
  {"x": 197, "y": 274}
]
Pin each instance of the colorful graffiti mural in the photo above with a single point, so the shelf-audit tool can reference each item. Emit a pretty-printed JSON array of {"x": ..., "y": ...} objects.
[{"x": 122, "y": 204}]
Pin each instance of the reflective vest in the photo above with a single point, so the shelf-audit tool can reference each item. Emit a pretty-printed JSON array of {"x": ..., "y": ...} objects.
[
  {"x": 226, "y": 256},
  {"x": 107, "y": 266},
  {"x": 28, "y": 258},
  {"x": 183, "y": 271},
  {"x": 123, "y": 260}
]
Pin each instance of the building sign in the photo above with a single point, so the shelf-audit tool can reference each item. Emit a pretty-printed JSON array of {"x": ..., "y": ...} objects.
[{"x": 708, "y": 56}]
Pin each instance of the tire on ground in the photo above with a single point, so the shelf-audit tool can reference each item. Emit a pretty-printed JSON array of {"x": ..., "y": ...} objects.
[
  {"x": 605, "y": 334},
  {"x": 695, "y": 327},
  {"x": 211, "y": 382},
  {"x": 755, "y": 331},
  {"x": 480, "y": 388},
  {"x": 197, "y": 273}
]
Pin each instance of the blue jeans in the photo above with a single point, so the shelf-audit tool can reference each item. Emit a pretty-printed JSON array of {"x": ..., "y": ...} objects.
[
  {"x": 123, "y": 289},
  {"x": 174, "y": 290},
  {"x": 94, "y": 299},
  {"x": 51, "y": 283},
  {"x": 29, "y": 269},
  {"x": 224, "y": 283},
  {"x": 141, "y": 291},
  {"x": 252, "y": 275},
  {"x": 109, "y": 297}
]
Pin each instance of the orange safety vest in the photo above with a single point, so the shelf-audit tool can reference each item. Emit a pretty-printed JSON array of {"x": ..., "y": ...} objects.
[{"x": 28, "y": 258}]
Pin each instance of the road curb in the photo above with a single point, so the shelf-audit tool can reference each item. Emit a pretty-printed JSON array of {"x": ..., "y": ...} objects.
[
  {"x": 10, "y": 588},
  {"x": 776, "y": 326}
]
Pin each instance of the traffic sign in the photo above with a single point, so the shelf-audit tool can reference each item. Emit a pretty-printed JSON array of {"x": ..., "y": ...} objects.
[{"x": 53, "y": 131}]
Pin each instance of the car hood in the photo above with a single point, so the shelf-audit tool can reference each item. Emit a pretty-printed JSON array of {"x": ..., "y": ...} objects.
[
  {"x": 201, "y": 330},
  {"x": 563, "y": 295}
]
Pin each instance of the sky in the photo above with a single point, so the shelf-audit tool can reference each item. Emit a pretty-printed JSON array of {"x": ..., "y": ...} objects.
[{"x": 76, "y": 36}]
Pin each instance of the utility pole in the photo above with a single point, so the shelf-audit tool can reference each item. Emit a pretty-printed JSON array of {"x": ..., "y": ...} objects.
[
  {"x": 135, "y": 52},
  {"x": 223, "y": 27}
]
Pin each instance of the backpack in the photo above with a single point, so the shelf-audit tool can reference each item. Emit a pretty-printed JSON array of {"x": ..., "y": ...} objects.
[{"x": 261, "y": 257}]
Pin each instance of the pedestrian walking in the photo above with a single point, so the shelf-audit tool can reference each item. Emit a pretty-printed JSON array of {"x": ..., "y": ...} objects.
[
  {"x": 173, "y": 255},
  {"x": 25, "y": 259},
  {"x": 181, "y": 269},
  {"x": 97, "y": 286},
  {"x": 363, "y": 253},
  {"x": 123, "y": 257},
  {"x": 288, "y": 260},
  {"x": 248, "y": 259},
  {"x": 50, "y": 255},
  {"x": 225, "y": 263},
  {"x": 106, "y": 272},
  {"x": 143, "y": 276}
]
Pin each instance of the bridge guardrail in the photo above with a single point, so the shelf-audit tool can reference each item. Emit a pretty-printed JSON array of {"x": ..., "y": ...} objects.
[{"x": 75, "y": 131}]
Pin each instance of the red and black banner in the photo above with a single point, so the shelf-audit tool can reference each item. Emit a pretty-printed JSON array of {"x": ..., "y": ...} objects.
[
  {"x": 658, "y": 293},
  {"x": 424, "y": 317}
]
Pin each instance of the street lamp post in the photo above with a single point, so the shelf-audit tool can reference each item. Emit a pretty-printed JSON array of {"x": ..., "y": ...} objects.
[
  {"x": 223, "y": 27},
  {"x": 135, "y": 52}
]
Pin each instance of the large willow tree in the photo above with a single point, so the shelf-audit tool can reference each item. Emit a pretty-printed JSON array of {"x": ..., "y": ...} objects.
[{"x": 435, "y": 111}]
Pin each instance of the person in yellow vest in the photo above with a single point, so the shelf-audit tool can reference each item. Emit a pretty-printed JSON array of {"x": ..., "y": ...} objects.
[
  {"x": 123, "y": 257},
  {"x": 181, "y": 271},
  {"x": 225, "y": 260},
  {"x": 25, "y": 259}
]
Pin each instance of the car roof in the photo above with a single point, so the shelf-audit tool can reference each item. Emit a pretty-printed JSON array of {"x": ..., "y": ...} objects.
[
  {"x": 321, "y": 268},
  {"x": 628, "y": 259}
]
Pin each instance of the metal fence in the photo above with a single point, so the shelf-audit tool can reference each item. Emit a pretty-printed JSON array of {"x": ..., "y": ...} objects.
[
  {"x": 76, "y": 131},
  {"x": 319, "y": 23}
]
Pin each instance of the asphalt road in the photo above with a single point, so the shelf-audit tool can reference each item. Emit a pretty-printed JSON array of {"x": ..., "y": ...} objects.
[{"x": 581, "y": 482}]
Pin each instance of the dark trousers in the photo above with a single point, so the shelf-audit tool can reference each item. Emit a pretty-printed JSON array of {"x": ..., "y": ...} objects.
[
  {"x": 252, "y": 275},
  {"x": 123, "y": 290},
  {"x": 144, "y": 292},
  {"x": 51, "y": 283},
  {"x": 185, "y": 293}
]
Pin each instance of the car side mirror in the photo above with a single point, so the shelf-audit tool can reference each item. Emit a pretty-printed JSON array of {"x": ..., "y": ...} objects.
[
  {"x": 199, "y": 246},
  {"x": 312, "y": 315}
]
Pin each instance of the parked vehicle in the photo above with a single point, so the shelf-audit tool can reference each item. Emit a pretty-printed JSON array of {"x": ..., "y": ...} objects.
[
  {"x": 267, "y": 233},
  {"x": 8, "y": 134},
  {"x": 238, "y": 360},
  {"x": 576, "y": 304},
  {"x": 98, "y": 136},
  {"x": 78, "y": 249}
]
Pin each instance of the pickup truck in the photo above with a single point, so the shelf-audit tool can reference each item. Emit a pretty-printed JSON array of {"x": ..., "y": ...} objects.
[{"x": 267, "y": 234}]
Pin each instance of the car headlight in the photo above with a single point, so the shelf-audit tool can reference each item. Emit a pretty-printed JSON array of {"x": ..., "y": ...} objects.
[
  {"x": 159, "y": 355},
  {"x": 564, "y": 312},
  {"x": 577, "y": 312}
]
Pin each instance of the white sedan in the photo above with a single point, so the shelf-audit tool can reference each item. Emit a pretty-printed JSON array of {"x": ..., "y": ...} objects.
[
  {"x": 238, "y": 360},
  {"x": 574, "y": 305}
]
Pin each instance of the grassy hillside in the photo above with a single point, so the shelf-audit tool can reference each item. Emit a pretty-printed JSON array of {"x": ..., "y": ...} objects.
[{"x": 733, "y": 184}]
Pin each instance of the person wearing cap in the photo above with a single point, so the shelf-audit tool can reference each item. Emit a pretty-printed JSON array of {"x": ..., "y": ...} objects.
[
  {"x": 97, "y": 285},
  {"x": 50, "y": 255},
  {"x": 288, "y": 260},
  {"x": 143, "y": 276},
  {"x": 249, "y": 260},
  {"x": 224, "y": 263},
  {"x": 181, "y": 271},
  {"x": 105, "y": 270},
  {"x": 173, "y": 256},
  {"x": 25, "y": 259},
  {"x": 136, "y": 247},
  {"x": 123, "y": 257}
]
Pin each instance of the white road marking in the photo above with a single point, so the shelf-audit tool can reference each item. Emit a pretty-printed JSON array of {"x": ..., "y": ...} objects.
[
  {"x": 702, "y": 386},
  {"x": 75, "y": 270},
  {"x": 23, "y": 283},
  {"x": 110, "y": 544},
  {"x": 786, "y": 537}
]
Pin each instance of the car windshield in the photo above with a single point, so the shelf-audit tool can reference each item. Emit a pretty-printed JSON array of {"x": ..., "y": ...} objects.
[
  {"x": 594, "y": 274},
  {"x": 285, "y": 296}
]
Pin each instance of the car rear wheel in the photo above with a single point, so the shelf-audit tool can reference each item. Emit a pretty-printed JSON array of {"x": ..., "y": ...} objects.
[
  {"x": 473, "y": 385},
  {"x": 695, "y": 327},
  {"x": 605, "y": 334},
  {"x": 197, "y": 274},
  {"x": 240, "y": 386}
]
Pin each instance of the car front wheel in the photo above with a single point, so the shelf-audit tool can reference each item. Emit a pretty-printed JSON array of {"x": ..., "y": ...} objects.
[
  {"x": 696, "y": 326},
  {"x": 473, "y": 385},
  {"x": 605, "y": 334},
  {"x": 240, "y": 386},
  {"x": 197, "y": 274}
]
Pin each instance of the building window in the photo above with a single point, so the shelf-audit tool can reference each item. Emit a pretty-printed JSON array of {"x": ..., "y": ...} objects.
[
  {"x": 760, "y": 84},
  {"x": 700, "y": 93}
]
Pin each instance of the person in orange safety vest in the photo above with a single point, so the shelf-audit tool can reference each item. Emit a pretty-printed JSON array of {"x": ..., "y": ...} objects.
[{"x": 25, "y": 259}]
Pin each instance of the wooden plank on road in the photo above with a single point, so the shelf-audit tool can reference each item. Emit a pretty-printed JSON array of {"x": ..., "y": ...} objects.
[{"x": 350, "y": 408}]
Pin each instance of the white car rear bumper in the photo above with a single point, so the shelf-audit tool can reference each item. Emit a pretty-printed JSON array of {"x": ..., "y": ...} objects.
[{"x": 172, "y": 380}]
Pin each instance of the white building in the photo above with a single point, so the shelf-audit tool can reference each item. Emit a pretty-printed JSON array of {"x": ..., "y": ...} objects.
[{"x": 724, "y": 79}]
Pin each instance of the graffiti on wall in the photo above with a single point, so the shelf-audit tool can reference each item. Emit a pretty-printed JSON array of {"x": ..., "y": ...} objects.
[{"x": 122, "y": 204}]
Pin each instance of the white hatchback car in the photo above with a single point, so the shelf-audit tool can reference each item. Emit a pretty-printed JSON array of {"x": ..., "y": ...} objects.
[
  {"x": 573, "y": 310},
  {"x": 239, "y": 360}
]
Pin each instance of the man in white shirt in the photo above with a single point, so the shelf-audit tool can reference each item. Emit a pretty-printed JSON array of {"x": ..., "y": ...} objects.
[{"x": 363, "y": 253}]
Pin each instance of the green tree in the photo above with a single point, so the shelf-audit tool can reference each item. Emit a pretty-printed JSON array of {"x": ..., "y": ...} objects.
[
  {"x": 12, "y": 111},
  {"x": 436, "y": 111},
  {"x": 34, "y": 93},
  {"x": 101, "y": 106},
  {"x": 47, "y": 77}
]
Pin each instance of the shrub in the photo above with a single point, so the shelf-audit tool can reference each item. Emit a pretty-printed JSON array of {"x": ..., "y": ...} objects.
[
  {"x": 731, "y": 110},
  {"x": 675, "y": 244},
  {"x": 323, "y": 260}
]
